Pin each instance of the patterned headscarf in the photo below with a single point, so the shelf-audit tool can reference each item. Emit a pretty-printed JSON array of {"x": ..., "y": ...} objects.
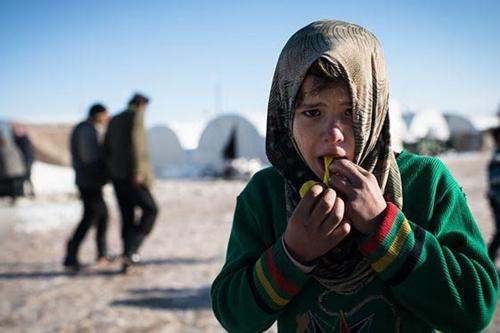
[{"x": 359, "y": 57}]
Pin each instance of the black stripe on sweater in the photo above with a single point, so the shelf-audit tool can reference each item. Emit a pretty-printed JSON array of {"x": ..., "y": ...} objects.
[
  {"x": 258, "y": 299},
  {"x": 412, "y": 259}
]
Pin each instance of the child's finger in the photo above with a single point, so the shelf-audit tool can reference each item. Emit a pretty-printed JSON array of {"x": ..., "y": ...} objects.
[
  {"x": 306, "y": 205},
  {"x": 322, "y": 208},
  {"x": 342, "y": 186},
  {"x": 340, "y": 233},
  {"x": 333, "y": 219},
  {"x": 362, "y": 170},
  {"x": 347, "y": 169}
]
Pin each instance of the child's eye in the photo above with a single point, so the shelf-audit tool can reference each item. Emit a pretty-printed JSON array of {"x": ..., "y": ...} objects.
[
  {"x": 311, "y": 113},
  {"x": 348, "y": 112}
]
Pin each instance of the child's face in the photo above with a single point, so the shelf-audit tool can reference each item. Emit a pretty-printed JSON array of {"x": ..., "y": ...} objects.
[{"x": 322, "y": 124}]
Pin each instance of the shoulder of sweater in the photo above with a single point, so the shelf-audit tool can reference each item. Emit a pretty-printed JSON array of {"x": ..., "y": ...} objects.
[
  {"x": 266, "y": 174},
  {"x": 264, "y": 181},
  {"x": 421, "y": 162},
  {"x": 425, "y": 171}
]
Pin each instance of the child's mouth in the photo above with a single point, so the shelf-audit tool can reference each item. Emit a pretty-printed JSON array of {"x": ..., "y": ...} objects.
[{"x": 330, "y": 159}]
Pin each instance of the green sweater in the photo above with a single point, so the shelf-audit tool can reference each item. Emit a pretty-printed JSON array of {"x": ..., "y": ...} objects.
[{"x": 432, "y": 270}]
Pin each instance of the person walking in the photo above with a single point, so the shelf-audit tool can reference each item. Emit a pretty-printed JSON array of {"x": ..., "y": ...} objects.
[
  {"x": 129, "y": 167},
  {"x": 23, "y": 142},
  {"x": 12, "y": 167},
  {"x": 90, "y": 177}
]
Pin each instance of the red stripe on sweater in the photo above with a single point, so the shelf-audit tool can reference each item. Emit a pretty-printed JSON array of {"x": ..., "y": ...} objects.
[
  {"x": 383, "y": 231},
  {"x": 275, "y": 273}
]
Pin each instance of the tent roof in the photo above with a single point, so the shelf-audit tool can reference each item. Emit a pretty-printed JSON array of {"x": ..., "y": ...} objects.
[
  {"x": 248, "y": 142},
  {"x": 164, "y": 147},
  {"x": 459, "y": 123},
  {"x": 427, "y": 124}
]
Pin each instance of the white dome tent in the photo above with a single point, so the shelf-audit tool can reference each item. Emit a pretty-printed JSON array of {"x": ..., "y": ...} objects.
[
  {"x": 426, "y": 124},
  {"x": 165, "y": 149},
  {"x": 463, "y": 134},
  {"x": 229, "y": 137}
]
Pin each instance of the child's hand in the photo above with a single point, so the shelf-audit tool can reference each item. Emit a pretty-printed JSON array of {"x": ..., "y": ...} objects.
[
  {"x": 316, "y": 224},
  {"x": 359, "y": 188}
]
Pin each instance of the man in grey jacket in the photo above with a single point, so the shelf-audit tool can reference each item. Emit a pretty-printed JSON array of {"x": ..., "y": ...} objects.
[
  {"x": 128, "y": 164},
  {"x": 90, "y": 177},
  {"x": 12, "y": 168}
]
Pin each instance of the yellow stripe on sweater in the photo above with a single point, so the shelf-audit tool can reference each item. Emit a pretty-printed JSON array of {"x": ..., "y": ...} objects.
[
  {"x": 267, "y": 286},
  {"x": 395, "y": 247}
]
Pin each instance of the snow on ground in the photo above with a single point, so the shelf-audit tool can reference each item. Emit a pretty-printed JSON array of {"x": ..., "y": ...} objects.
[
  {"x": 51, "y": 179},
  {"x": 44, "y": 216},
  {"x": 53, "y": 207}
]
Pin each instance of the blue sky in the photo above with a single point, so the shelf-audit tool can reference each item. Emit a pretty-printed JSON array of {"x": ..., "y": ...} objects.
[{"x": 197, "y": 58}]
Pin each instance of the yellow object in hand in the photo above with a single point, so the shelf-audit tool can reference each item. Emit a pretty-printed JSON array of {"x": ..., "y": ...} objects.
[
  {"x": 306, "y": 187},
  {"x": 326, "y": 178}
]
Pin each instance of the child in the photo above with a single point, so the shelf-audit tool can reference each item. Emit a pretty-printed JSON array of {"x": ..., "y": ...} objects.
[{"x": 387, "y": 245}]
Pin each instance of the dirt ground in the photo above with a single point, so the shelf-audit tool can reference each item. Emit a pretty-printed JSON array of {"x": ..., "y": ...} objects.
[{"x": 170, "y": 291}]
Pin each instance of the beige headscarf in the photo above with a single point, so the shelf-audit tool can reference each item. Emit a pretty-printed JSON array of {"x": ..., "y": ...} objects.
[{"x": 359, "y": 57}]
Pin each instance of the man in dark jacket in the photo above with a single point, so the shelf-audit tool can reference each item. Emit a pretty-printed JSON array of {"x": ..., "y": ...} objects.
[
  {"x": 128, "y": 165},
  {"x": 90, "y": 177}
]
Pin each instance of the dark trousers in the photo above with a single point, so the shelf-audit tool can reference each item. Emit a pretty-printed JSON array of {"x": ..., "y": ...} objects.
[
  {"x": 95, "y": 213},
  {"x": 495, "y": 242},
  {"x": 17, "y": 187},
  {"x": 131, "y": 196}
]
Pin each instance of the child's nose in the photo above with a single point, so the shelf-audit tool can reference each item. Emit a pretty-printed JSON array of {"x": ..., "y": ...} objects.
[{"x": 333, "y": 133}]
